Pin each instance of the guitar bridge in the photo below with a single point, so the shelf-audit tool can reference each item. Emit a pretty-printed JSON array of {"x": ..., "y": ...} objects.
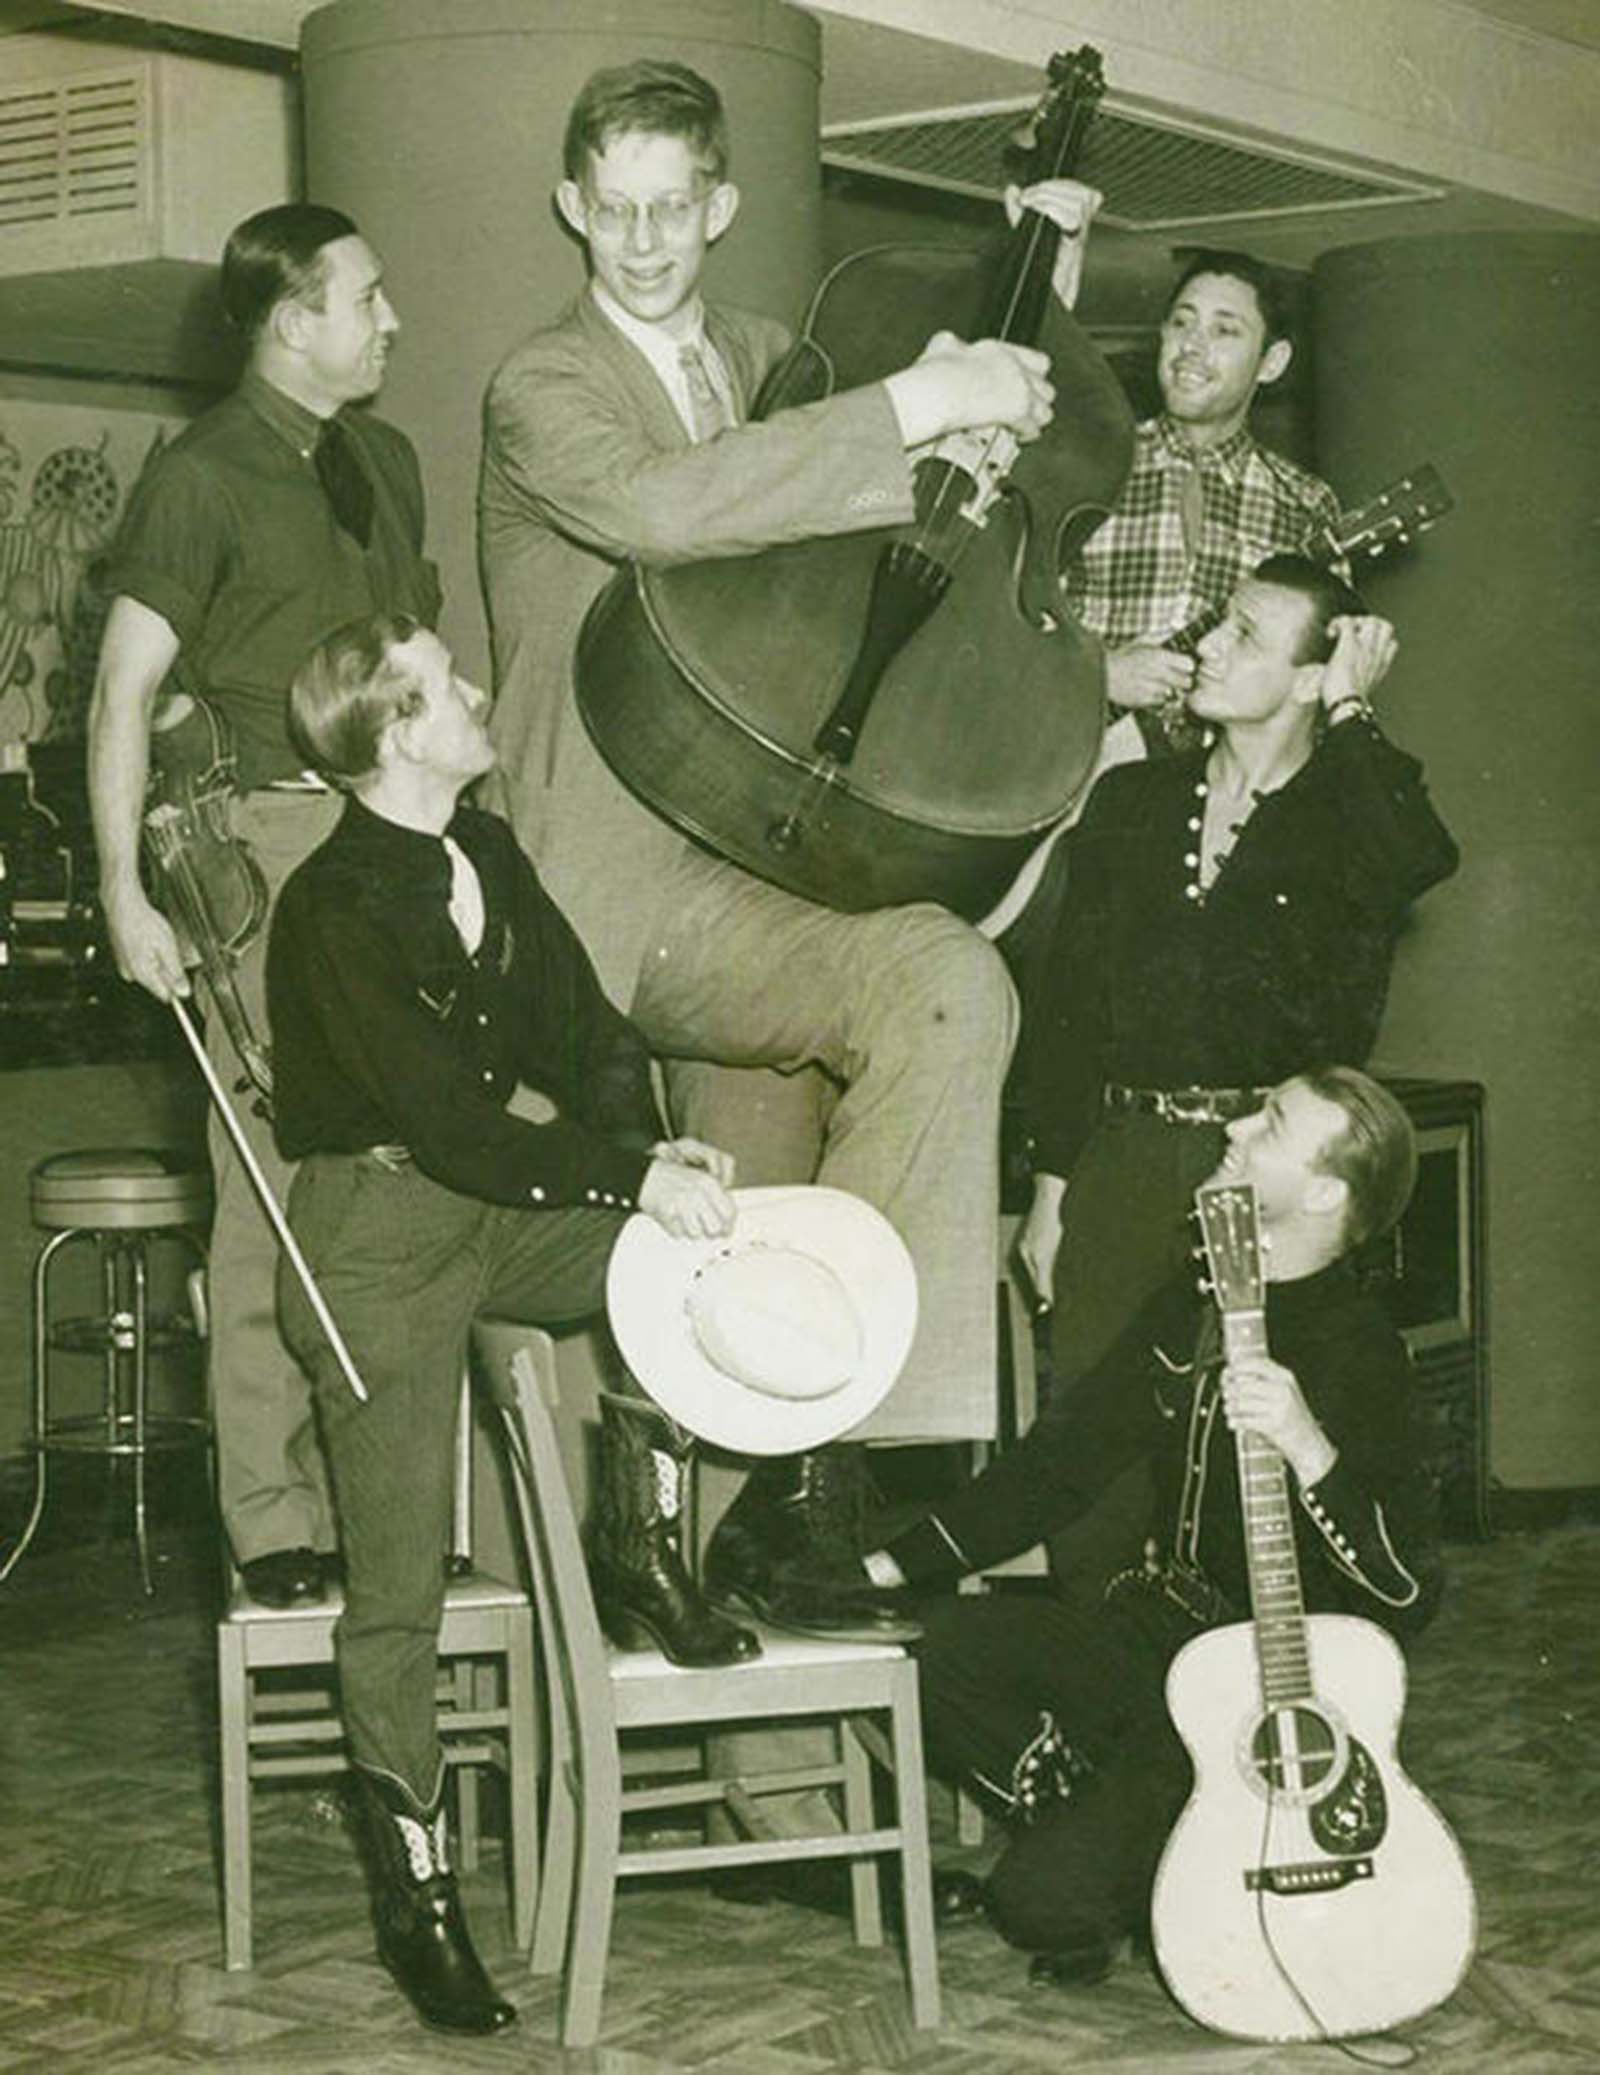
[{"x": 1307, "y": 1876}]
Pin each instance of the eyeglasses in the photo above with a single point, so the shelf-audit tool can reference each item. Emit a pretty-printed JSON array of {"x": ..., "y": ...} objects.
[{"x": 667, "y": 215}]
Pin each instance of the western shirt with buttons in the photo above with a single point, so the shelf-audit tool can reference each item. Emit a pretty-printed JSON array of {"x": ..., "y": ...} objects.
[
  {"x": 387, "y": 1032},
  {"x": 230, "y": 537},
  {"x": 1281, "y": 964},
  {"x": 1365, "y": 1531}
]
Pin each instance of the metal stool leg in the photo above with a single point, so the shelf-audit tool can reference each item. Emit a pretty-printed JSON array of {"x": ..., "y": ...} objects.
[
  {"x": 141, "y": 1386},
  {"x": 41, "y": 1401}
]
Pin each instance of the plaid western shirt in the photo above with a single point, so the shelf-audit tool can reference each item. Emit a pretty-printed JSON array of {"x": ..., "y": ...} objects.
[{"x": 1137, "y": 579}]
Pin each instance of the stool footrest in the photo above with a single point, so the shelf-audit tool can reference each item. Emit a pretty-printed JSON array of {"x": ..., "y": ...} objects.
[{"x": 93, "y": 1434}]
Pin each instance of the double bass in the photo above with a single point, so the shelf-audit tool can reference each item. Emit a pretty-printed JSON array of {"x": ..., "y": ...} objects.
[{"x": 896, "y": 714}]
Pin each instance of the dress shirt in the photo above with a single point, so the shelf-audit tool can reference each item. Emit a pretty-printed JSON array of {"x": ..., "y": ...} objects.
[
  {"x": 386, "y": 1031},
  {"x": 230, "y": 536},
  {"x": 665, "y": 355},
  {"x": 1282, "y": 964},
  {"x": 1365, "y": 1532}
]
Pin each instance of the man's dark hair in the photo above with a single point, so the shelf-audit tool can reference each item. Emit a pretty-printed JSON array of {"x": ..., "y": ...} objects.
[
  {"x": 1375, "y": 1156},
  {"x": 346, "y": 693},
  {"x": 1265, "y": 281},
  {"x": 277, "y": 254},
  {"x": 655, "y": 97},
  {"x": 1326, "y": 595}
]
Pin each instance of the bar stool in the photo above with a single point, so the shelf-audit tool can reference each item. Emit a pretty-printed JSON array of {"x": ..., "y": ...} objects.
[{"x": 121, "y": 1200}]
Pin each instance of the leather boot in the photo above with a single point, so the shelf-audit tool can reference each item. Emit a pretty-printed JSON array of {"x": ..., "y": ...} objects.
[
  {"x": 789, "y": 1549},
  {"x": 642, "y": 1589},
  {"x": 422, "y": 1935}
]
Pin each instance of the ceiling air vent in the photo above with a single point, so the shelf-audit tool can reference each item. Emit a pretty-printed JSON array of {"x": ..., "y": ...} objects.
[
  {"x": 74, "y": 153},
  {"x": 1155, "y": 176}
]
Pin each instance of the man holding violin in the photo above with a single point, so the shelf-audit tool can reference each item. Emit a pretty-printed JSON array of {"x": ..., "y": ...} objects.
[
  {"x": 622, "y": 431},
  {"x": 277, "y": 516}
]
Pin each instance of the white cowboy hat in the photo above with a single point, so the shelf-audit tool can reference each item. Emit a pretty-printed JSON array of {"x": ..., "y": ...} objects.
[{"x": 782, "y": 1335}]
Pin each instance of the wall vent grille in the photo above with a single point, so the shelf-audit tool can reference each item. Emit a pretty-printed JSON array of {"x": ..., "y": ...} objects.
[
  {"x": 1154, "y": 176},
  {"x": 73, "y": 151}
]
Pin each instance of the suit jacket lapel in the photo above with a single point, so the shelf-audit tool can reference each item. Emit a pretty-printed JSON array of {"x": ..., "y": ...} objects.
[{"x": 656, "y": 409}]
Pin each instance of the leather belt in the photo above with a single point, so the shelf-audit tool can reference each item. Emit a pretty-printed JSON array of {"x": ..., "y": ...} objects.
[{"x": 1186, "y": 1105}]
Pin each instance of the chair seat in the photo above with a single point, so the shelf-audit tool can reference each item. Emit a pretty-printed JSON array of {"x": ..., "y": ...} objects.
[
  {"x": 477, "y": 1590},
  {"x": 118, "y": 1188},
  {"x": 781, "y": 1650}
]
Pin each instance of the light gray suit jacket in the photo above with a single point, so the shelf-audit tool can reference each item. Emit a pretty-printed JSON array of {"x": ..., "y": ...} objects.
[{"x": 586, "y": 464}]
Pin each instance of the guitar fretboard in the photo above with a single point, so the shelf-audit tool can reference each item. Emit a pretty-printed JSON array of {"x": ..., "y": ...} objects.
[{"x": 1276, "y": 1599}]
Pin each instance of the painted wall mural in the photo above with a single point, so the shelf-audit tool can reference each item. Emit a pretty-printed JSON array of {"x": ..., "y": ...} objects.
[{"x": 65, "y": 473}]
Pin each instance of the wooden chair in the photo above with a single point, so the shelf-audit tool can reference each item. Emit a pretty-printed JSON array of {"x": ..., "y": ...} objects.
[
  {"x": 598, "y": 1696},
  {"x": 270, "y": 1730}
]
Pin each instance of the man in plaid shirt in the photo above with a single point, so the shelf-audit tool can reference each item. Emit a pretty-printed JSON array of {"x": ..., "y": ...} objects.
[{"x": 1204, "y": 502}]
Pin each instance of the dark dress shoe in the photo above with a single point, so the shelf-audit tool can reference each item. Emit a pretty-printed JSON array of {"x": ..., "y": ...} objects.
[
  {"x": 1073, "y": 1967},
  {"x": 959, "y": 1897},
  {"x": 284, "y": 1578}
]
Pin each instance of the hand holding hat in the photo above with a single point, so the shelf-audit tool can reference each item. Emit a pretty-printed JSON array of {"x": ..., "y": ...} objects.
[{"x": 775, "y": 1336}]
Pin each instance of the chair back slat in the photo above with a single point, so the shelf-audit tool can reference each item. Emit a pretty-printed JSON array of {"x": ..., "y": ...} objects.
[{"x": 573, "y": 1651}]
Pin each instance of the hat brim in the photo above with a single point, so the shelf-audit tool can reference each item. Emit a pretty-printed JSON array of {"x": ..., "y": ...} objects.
[{"x": 647, "y": 1287}]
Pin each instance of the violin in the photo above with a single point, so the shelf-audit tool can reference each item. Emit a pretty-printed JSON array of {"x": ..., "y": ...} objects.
[{"x": 205, "y": 879}]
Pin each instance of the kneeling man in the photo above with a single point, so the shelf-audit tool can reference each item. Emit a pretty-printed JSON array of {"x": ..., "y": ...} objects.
[
  {"x": 1055, "y": 1712},
  {"x": 416, "y": 974}
]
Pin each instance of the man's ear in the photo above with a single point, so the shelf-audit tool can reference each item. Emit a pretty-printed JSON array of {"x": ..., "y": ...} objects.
[
  {"x": 286, "y": 323},
  {"x": 1326, "y": 1195},
  {"x": 1306, "y": 690},
  {"x": 569, "y": 200},
  {"x": 722, "y": 208},
  {"x": 1273, "y": 362}
]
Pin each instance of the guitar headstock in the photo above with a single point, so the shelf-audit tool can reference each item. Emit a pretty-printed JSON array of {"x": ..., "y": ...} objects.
[
  {"x": 1230, "y": 1225},
  {"x": 1409, "y": 506}
]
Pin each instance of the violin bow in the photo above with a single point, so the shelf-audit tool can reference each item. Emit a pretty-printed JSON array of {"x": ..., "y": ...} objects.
[{"x": 269, "y": 1202}]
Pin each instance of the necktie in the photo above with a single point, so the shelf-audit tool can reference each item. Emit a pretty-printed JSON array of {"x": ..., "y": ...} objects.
[
  {"x": 1192, "y": 509},
  {"x": 342, "y": 476},
  {"x": 707, "y": 412}
]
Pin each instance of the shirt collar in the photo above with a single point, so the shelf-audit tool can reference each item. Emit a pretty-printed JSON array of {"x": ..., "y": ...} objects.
[
  {"x": 403, "y": 859},
  {"x": 1174, "y": 451},
  {"x": 281, "y": 414},
  {"x": 659, "y": 347}
]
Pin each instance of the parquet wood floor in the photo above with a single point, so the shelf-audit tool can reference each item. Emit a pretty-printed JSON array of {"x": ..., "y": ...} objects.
[{"x": 110, "y": 1937}]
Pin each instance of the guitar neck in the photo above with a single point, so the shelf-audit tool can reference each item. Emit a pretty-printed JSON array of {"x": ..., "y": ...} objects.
[{"x": 1276, "y": 1599}]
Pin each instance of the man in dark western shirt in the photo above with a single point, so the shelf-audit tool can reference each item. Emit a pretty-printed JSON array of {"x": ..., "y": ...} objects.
[
  {"x": 416, "y": 973},
  {"x": 1054, "y": 1712},
  {"x": 1233, "y": 920},
  {"x": 275, "y": 517}
]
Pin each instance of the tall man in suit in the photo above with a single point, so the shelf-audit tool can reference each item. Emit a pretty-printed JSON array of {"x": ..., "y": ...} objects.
[{"x": 621, "y": 431}]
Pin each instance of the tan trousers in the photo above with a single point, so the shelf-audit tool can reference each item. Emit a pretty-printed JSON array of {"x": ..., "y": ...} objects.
[
  {"x": 271, "y": 1481},
  {"x": 912, "y": 1016}
]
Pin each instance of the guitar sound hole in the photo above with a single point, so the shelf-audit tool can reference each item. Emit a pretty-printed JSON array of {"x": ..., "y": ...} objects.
[{"x": 1295, "y": 1753}]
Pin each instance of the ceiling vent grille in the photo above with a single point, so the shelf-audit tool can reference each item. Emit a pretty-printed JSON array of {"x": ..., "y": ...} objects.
[
  {"x": 1154, "y": 176},
  {"x": 73, "y": 151}
]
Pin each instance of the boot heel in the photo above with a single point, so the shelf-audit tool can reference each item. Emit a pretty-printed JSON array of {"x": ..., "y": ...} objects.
[{"x": 624, "y": 1629}]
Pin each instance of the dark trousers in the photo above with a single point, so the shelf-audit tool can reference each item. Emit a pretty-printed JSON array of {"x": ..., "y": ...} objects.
[
  {"x": 1082, "y": 1870},
  {"x": 1125, "y": 1233},
  {"x": 405, "y": 1266}
]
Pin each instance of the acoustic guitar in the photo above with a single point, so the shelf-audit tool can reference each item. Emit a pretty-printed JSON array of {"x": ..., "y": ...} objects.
[{"x": 1309, "y": 1890}]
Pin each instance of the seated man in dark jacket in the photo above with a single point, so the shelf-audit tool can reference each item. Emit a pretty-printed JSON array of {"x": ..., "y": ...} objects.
[
  {"x": 1055, "y": 1712},
  {"x": 416, "y": 974}
]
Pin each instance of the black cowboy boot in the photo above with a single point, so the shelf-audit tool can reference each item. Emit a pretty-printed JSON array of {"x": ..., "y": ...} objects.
[
  {"x": 422, "y": 1935},
  {"x": 789, "y": 1549},
  {"x": 642, "y": 1589}
]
